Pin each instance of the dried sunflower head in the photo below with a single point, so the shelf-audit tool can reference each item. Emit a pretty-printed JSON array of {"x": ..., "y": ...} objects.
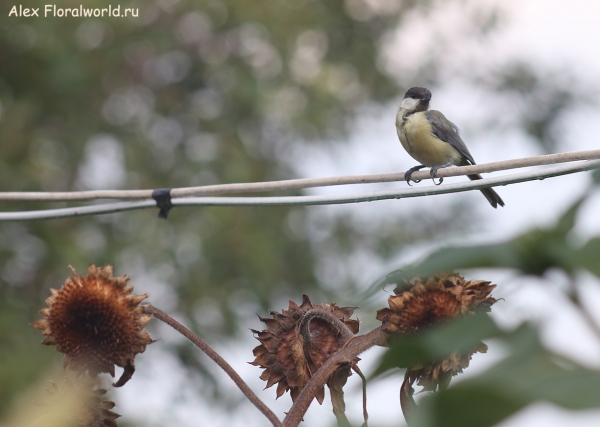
[
  {"x": 84, "y": 401},
  {"x": 422, "y": 302},
  {"x": 297, "y": 342},
  {"x": 96, "y": 322}
]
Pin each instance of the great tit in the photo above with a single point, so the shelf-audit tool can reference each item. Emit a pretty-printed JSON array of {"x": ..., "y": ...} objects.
[{"x": 433, "y": 140}]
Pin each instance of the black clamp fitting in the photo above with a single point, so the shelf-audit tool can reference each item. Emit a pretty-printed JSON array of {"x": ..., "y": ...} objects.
[{"x": 163, "y": 201}]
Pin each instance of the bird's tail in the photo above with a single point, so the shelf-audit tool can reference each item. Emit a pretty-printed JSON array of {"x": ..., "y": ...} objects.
[{"x": 489, "y": 193}]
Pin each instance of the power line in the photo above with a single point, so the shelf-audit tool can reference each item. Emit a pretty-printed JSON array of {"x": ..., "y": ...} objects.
[
  {"x": 296, "y": 184},
  {"x": 310, "y": 200}
]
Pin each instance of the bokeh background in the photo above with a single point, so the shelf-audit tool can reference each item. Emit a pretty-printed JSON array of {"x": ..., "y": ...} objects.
[{"x": 198, "y": 92}]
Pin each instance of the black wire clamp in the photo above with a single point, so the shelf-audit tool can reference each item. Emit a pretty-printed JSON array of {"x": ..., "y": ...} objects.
[{"x": 163, "y": 201}]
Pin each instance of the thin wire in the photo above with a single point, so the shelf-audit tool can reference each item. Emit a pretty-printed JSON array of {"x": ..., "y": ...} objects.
[
  {"x": 307, "y": 200},
  {"x": 295, "y": 184}
]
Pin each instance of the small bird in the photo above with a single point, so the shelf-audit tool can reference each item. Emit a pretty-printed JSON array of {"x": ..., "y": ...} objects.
[{"x": 433, "y": 140}]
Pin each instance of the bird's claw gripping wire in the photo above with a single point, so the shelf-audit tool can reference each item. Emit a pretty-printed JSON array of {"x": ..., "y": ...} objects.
[
  {"x": 434, "y": 170},
  {"x": 408, "y": 174}
]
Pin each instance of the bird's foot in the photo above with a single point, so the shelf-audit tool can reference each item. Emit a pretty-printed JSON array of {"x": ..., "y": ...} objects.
[
  {"x": 434, "y": 170},
  {"x": 408, "y": 174}
]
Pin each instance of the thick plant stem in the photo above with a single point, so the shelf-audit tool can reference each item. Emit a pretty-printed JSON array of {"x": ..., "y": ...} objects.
[
  {"x": 345, "y": 356},
  {"x": 198, "y": 342}
]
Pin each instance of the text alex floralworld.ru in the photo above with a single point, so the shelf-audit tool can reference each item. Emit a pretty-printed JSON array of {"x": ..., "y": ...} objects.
[{"x": 50, "y": 10}]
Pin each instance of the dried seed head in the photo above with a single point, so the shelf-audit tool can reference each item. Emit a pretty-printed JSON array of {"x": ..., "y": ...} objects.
[
  {"x": 297, "y": 342},
  {"x": 96, "y": 322},
  {"x": 422, "y": 302}
]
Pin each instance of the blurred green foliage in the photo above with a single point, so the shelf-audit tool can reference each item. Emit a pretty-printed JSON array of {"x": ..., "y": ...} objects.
[
  {"x": 533, "y": 252},
  {"x": 528, "y": 372}
]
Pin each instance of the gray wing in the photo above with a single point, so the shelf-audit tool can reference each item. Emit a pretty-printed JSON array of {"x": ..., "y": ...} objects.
[{"x": 447, "y": 131}]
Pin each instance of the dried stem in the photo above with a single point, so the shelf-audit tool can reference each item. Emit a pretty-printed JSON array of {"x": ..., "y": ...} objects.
[
  {"x": 198, "y": 342},
  {"x": 345, "y": 356},
  {"x": 336, "y": 390},
  {"x": 356, "y": 369},
  {"x": 407, "y": 402},
  {"x": 340, "y": 327},
  {"x": 338, "y": 379}
]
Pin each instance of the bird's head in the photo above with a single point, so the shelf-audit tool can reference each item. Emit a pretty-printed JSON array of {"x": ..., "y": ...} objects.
[{"x": 416, "y": 99}]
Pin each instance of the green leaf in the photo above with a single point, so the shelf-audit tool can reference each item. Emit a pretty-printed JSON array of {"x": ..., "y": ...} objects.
[
  {"x": 567, "y": 220},
  {"x": 539, "y": 250},
  {"x": 528, "y": 374},
  {"x": 588, "y": 256},
  {"x": 577, "y": 389},
  {"x": 449, "y": 259},
  {"x": 402, "y": 353},
  {"x": 467, "y": 406},
  {"x": 462, "y": 335},
  {"x": 533, "y": 252},
  {"x": 596, "y": 176}
]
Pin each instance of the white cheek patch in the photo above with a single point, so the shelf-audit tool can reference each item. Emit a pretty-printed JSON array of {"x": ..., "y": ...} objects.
[{"x": 409, "y": 103}]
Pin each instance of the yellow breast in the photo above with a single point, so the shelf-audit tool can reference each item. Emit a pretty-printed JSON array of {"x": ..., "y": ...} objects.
[{"x": 418, "y": 140}]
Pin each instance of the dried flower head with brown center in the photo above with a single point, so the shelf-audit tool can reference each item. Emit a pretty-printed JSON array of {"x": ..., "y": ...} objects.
[
  {"x": 96, "y": 322},
  {"x": 85, "y": 403},
  {"x": 422, "y": 302},
  {"x": 297, "y": 342}
]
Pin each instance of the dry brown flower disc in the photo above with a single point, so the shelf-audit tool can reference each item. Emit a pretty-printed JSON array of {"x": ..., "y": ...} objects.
[
  {"x": 96, "y": 322},
  {"x": 288, "y": 355},
  {"x": 421, "y": 302}
]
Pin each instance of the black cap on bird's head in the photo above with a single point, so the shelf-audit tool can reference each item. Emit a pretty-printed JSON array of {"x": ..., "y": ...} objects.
[
  {"x": 415, "y": 100},
  {"x": 420, "y": 93}
]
